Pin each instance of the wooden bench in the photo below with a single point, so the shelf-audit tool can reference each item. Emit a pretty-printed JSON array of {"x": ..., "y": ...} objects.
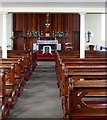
[
  {"x": 30, "y": 53},
  {"x": 88, "y": 53},
  {"x": 11, "y": 84},
  {"x": 78, "y": 76},
  {"x": 78, "y": 62},
  {"x": 79, "y": 67},
  {"x": 68, "y": 57},
  {"x": 79, "y": 107},
  {"x": 65, "y": 55},
  {"x": 4, "y": 112},
  {"x": 71, "y": 69},
  {"x": 27, "y": 63},
  {"x": 12, "y": 60},
  {"x": 19, "y": 77},
  {"x": 18, "y": 66}
]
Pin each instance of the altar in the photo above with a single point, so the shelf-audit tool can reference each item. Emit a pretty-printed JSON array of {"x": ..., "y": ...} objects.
[{"x": 46, "y": 49}]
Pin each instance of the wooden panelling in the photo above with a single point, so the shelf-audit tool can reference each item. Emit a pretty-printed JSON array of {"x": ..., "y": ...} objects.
[
  {"x": 19, "y": 43},
  {"x": 66, "y": 22}
]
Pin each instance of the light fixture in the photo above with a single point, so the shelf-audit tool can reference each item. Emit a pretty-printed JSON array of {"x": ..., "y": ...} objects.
[{"x": 47, "y": 24}]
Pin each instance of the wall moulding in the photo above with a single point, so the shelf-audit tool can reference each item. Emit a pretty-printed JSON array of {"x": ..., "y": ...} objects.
[{"x": 52, "y": 9}]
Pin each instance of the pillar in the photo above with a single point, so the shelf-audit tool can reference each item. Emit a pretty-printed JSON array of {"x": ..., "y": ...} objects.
[
  {"x": 4, "y": 40},
  {"x": 82, "y": 35}
]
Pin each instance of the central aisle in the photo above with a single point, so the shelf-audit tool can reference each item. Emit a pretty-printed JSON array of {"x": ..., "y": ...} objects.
[{"x": 40, "y": 98}]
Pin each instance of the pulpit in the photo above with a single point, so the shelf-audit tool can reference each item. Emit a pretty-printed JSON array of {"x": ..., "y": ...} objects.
[{"x": 46, "y": 49}]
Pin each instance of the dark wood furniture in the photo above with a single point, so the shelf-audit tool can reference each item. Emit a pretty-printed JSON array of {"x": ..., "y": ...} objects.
[{"x": 74, "y": 71}]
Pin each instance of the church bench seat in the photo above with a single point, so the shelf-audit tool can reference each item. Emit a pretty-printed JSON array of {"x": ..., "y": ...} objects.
[
  {"x": 31, "y": 53},
  {"x": 78, "y": 76},
  {"x": 78, "y": 107},
  {"x": 11, "y": 83},
  {"x": 75, "y": 55},
  {"x": 4, "y": 112},
  {"x": 29, "y": 60},
  {"x": 81, "y": 72},
  {"x": 19, "y": 66},
  {"x": 76, "y": 68},
  {"x": 88, "y": 53},
  {"x": 19, "y": 77},
  {"x": 76, "y": 65},
  {"x": 64, "y": 56},
  {"x": 27, "y": 64}
]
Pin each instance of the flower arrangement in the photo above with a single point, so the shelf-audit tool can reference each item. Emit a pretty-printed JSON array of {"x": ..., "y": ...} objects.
[
  {"x": 34, "y": 34},
  {"x": 59, "y": 34}
]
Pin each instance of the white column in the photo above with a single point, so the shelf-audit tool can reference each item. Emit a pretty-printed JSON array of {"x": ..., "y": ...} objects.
[
  {"x": 10, "y": 30},
  {"x": 82, "y": 35},
  {"x": 1, "y": 31},
  {"x": 4, "y": 41}
]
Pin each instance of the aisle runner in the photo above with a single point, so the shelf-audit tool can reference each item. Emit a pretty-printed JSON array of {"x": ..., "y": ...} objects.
[{"x": 40, "y": 97}]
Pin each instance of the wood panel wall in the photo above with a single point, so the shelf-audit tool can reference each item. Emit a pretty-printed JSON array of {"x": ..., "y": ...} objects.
[{"x": 66, "y": 22}]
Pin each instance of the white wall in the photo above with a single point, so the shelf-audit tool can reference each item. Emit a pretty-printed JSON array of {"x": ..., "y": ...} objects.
[
  {"x": 1, "y": 31},
  {"x": 93, "y": 24}
]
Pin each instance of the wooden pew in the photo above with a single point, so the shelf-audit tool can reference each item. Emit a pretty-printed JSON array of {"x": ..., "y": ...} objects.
[
  {"x": 69, "y": 57},
  {"x": 31, "y": 53},
  {"x": 78, "y": 76},
  {"x": 29, "y": 58},
  {"x": 64, "y": 55},
  {"x": 20, "y": 61},
  {"x": 27, "y": 64},
  {"x": 79, "y": 66},
  {"x": 4, "y": 112},
  {"x": 71, "y": 69},
  {"x": 88, "y": 53},
  {"x": 79, "y": 107},
  {"x": 78, "y": 62},
  {"x": 12, "y": 60},
  {"x": 72, "y": 61},
  {"x": 79, "y": 73},
  {"x": 19, "y": 77},
  {"x": 11, "y": 84},
  {"x": 19, "y": 67}
]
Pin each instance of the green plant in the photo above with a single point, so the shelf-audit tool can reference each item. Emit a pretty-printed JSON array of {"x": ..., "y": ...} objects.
[
  {"x": 34, "y": 34},
  {"x": 59, "y": 34}
]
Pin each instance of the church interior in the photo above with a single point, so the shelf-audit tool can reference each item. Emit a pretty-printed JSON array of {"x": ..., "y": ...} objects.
[{"x": 53, "y": 60}]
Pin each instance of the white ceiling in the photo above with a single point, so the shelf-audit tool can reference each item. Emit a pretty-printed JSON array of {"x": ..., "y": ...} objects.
[
  {"x": 53, "y": 1},
  {"x": 51, "y": 5}
]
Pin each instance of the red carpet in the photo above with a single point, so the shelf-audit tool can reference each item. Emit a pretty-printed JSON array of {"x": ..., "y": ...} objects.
[
  {"x": 46, "y": 57},
  {"x": 90, "y": 118}
]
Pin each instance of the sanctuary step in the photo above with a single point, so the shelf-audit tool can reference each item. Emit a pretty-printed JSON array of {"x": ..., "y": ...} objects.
[{"x": 46, "y": 57}]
